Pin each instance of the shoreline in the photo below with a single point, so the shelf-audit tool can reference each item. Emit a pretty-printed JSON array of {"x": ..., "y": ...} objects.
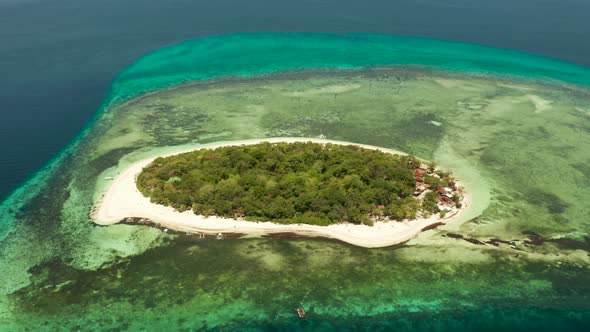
[{"x": 122, "y": 200}]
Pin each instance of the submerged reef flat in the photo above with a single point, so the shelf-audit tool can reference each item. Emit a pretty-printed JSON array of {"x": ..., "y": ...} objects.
[{"x": 517, "y": 257}]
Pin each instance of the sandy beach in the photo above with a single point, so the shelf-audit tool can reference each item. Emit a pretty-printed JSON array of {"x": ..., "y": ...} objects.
[{"x": 122, "y": 200}]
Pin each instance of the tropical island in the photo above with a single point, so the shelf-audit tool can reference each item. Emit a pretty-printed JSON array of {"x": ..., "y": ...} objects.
[
  {"x": 296, "y": 183},
  {"x": 359, "y": 194}
]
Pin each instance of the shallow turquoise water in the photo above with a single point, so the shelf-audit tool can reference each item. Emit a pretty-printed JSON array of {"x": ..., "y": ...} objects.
[
  {"x": 61, "y": 271},
  {"x": 264, "y": 53}
]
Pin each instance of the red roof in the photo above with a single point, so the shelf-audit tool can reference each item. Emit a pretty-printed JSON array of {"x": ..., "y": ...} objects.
[{"x": 419, "y": 172}]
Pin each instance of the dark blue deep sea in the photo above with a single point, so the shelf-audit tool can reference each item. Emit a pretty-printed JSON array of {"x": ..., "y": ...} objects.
[{"x": 58, "y": 58}]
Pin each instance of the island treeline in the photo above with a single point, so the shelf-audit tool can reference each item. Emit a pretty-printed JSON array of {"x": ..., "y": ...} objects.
[{"x": 301, "y": 182}]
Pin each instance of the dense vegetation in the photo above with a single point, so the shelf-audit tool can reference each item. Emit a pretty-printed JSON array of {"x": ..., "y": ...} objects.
[{"x": 286, "y": 183}]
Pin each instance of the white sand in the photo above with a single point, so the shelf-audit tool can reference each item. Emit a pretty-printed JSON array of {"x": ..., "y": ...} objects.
[
  {"x": 123, "y": 200},
  {"x": 331, "y": 89},
  {"x": 540, "y": 104}
]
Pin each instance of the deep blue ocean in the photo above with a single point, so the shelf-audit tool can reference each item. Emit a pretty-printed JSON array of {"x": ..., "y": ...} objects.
[{"x": 58, "y": 58}]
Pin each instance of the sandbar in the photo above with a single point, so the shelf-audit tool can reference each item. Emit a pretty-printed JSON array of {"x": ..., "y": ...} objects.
[{"x": 123, "y": 200}]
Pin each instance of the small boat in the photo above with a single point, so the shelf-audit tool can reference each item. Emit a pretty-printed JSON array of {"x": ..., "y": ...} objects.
[{"x": 301, "y": 313}]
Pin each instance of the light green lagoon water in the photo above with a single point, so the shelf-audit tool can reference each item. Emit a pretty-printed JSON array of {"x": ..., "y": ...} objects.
[{"x": 514, "y": 127}]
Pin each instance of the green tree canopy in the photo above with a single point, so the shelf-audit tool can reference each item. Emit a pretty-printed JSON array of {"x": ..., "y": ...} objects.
[{"x": 286, "y": 183}]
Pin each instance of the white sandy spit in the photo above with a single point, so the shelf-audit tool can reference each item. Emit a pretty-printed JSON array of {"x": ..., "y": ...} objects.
[{"x": 122, "y": 200}]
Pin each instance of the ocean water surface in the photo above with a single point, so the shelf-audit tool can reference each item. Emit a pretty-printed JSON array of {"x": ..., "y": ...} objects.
[
  {"x": 513, "y": 124},
  {"x": 59, "y": 58}
]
